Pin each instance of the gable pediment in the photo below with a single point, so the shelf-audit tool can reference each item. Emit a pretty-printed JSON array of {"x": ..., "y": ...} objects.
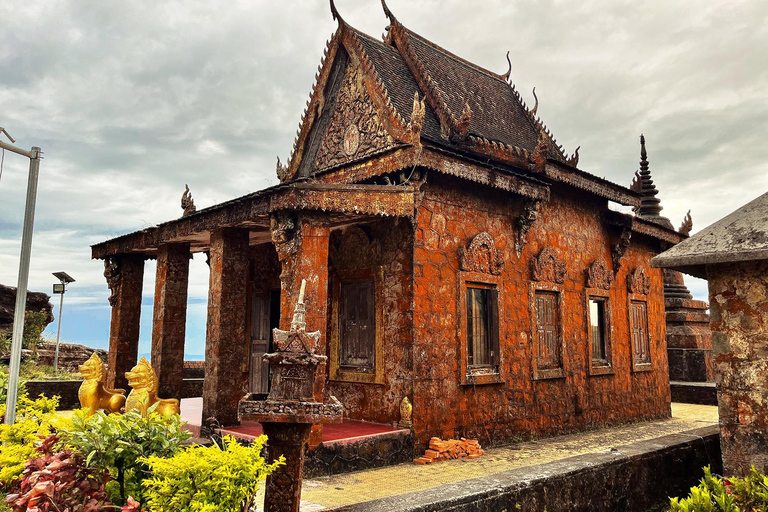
[{"x": 355, "y": 129}]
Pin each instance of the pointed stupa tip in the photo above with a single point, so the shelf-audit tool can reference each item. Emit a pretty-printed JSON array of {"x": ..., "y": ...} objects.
[
  {"x": 650, "y": 205},
  {"x": 299, "y": 323}
]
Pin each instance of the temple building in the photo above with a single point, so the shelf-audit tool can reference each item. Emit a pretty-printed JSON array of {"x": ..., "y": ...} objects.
[{"x": 454, "y": 255}]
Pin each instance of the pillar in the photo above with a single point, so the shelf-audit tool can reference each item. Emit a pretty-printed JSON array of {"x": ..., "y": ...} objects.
[
  {"x": 169, "y": 319},
  {"x": 738, "y": 298},
  {"x": 305, "y": 256},
  {"x": 126, "y": 281},
  {"x": 226, "y": 343},
  {"x": 283, "y": 487}
]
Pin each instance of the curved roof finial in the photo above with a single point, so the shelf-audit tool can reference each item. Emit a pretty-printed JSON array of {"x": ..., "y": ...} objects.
[
  {"x": 387, "y": 12},
  {"x": 506, "y": 75},
  {"x": 536, "y": 106},
  {"x": 336, "y": 15}
]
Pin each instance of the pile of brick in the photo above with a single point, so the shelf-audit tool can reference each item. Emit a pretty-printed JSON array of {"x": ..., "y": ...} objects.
[{"x": 450, "y": 449}]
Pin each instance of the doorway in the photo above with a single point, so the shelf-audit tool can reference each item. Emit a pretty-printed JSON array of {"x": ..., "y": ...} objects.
[{"x": 265, "y": 316}]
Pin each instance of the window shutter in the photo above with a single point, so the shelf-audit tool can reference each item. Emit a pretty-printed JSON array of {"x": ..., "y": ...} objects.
[{"x": 493, "y": 325}]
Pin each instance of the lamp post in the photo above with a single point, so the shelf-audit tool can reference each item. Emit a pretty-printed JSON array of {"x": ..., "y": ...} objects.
[
  {"x": 34, "y": 155},
  {"x": 60, "y": 289}
]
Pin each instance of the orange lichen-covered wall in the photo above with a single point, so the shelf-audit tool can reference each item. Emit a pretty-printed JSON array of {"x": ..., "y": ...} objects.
[{"x": 448, "y": 218}]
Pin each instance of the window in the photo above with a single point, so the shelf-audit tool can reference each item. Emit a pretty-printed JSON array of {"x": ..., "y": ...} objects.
[
  {"x": 357, "y": 325},
  {"x": 547, "y": 341},
  {"x": 355, "y": 337},
  {"x": 482, "y": 326},
  {"x": 641, "y": 350},
  {"x": 598, "y": 315}
]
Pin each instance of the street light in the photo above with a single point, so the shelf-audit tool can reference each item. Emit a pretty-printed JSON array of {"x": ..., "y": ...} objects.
[{"x": 60, "y": 289}]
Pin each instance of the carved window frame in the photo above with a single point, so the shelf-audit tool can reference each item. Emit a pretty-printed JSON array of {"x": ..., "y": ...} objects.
[
  {"x": 546, "y": 373},
  {"x": 633, "y": 298},
  {"x": 598, "y": 366},
  {"x": 481, "y": 375},
  {"x": 348, "y": 374}
]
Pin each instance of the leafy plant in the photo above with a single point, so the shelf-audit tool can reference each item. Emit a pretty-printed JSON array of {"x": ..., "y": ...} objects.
[
  {"x": 119, "y": 444},
  {"x": 57, "y": 481},
  {"x": 715, "y": 494},
  {"x": 208, "y": 479},
  {"x": 34, "y": 418}
]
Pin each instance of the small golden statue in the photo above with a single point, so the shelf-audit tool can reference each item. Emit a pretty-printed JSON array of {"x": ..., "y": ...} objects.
[
  {"x": 93, "y": 394},
  {"x": 143, "y": 380},
  {"x": 406, "y": 409}
]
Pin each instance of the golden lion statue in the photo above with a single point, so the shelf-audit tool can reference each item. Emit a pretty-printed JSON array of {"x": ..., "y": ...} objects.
[
  {"x": 93, "y": 394},
  {"x": 143, "y": 396}
]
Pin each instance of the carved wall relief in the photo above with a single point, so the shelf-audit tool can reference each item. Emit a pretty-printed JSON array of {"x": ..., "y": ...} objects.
[
  {"x": 639, "y": 282},
  {"x": 618, "y": 249},
  {"x": 598, "y": 275},
  {"x": 525, "y": 221},
  {"x": 113, "y": 274},
  {"x": 355, "y": 129},
  {"x": 548, "y": 267},
  {"x": 284, "y": 230},
  {"x": 481, "y": 255},
  {"x": 353, "y": 249}
]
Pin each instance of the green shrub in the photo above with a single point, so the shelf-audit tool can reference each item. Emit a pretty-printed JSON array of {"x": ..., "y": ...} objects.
[
  {"x": 715, "y": 494},
  {"x": 207, "y": 479},
  {"x": 34, "y": 418},
  {"x": 119, "y": 443}
]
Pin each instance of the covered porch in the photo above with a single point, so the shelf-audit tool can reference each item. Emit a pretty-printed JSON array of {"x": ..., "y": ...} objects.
[{"x": 287, "y": 224}]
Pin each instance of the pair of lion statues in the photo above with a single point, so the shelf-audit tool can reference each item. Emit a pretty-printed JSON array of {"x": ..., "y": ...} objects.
[{"x": 94, "y": 394}]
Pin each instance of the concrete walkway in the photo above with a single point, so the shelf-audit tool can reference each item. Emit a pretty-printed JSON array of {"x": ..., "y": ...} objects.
[{"x": 327, "y": 493}]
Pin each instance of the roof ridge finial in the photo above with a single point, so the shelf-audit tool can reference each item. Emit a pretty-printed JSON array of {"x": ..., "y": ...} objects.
[
  {"x": 387, "y": 12},
  {"x": 536, "y": 106},
  {"x": 336, "y": 15},
  {"x": 506, "y": 75},
  {"x": 650, "y": 205}
]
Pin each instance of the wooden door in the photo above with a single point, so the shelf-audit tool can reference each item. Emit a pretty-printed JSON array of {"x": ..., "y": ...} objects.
[{"x": 260, "y": 341}]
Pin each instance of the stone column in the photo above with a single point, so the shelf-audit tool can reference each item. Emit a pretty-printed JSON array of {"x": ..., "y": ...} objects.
[
  {"x": 169, "y": 319},
  {"x": 302, "y": 246},
  {"x": 226, "y": 344},
  {"x": 125, "y": 277},
  {"x": 738, "y": 298},
  {"x": 284, "y": 485}
]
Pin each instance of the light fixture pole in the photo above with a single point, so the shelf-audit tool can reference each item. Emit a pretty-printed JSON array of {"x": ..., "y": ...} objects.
[
  {"x": 34, "y": 155},
  {"x": 60, "y": 289}
]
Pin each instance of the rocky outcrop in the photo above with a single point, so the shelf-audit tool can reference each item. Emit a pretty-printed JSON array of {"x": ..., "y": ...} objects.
[
  {"x": 71, "y": 355},
  {"x": 36, "y": 301}
]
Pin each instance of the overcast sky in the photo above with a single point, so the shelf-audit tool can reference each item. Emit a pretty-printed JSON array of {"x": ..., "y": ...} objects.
[{"x": 131, "y": 100}]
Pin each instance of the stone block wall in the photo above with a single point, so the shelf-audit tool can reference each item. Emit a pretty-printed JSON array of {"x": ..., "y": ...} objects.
[
  {"x": 738, "y": 298},
  {"x": 514, "y": 405}
]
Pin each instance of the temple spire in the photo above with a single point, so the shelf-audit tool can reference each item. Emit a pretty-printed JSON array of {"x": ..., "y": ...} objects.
[{"x": 650, "y": 205}]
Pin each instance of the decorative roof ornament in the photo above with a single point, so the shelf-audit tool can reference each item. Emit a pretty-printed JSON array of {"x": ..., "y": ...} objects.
[
  {"x": 687, "y": 225},
  {"x": 539, "y": 156},
  {"x": 417, "y": 120},
  {"x": 573, "y": 161},
  {"x": 650, "y": 205},
  {"x": 536, "y": 106},
  {"x": 636, "y": 186},
  {"x": 462, "y": 125},
  {"x": 506, "y": 75},
  {"x": 387, "y": 12},
  {"x": 282, "y": 170},
  {"x": 187, "y": 203},
  {"x": 336, "y": 15}
]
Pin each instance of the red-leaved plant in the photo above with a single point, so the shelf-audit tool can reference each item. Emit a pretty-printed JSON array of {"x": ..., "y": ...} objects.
[{"x": 61, "y": 482}]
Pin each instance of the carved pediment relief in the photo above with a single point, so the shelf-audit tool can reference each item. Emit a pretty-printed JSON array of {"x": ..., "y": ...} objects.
[
  {"x": 639, "y": 282},
  {"x": 355, "y": 130},
  {"x": 598, "y": 275},
  {"x": 481, "y": 255},
  {"x": 548, "y": 267},
  {"x": 353, "y": 249}
]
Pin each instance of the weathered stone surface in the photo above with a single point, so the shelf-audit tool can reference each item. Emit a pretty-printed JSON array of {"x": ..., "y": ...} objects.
[
  {"x": 515, "y": 404},
  {"x": 36, "y": 301},
  {"x": 356, "y": 455},
  {"x": 124, "y": 327},
  {"x": 633, "y": 478},
  {"x": 169, "y": 319},
  {"x": 283, "y": 488},
  {"x": 66, "y": 390},
  {"x": 704, "y": 393},
  {"x": 226, "y": 343},
  {"x": 738, "y": 296},
  {"x": 71, "y": 355}
]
